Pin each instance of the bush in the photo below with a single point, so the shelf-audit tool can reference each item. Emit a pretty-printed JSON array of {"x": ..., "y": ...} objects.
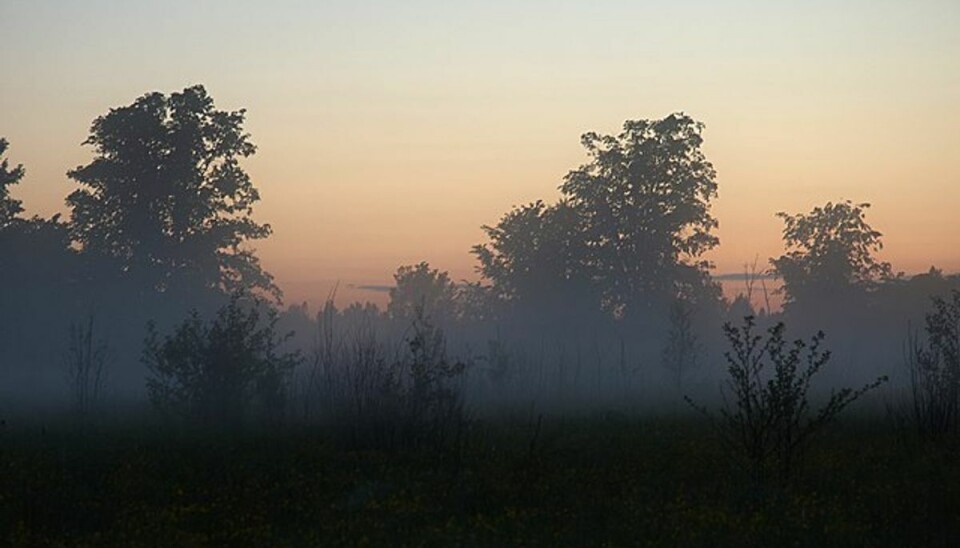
[
  {"x": 770, "y": 421},
  {"x": 434, "y": 404},
  {"x": 935, "y": 372},
  {"x": 223, "y": 370}
]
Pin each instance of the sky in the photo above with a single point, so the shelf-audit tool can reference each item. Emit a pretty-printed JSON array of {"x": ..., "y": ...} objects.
[{"x": 389, "y": 132}]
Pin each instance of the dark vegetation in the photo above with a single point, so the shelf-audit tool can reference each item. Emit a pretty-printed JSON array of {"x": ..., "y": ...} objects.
[{"x": 155, "y": 392}]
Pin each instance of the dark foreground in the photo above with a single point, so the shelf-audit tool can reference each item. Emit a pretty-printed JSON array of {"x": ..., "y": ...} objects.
[{"x": 578, "y": 482}]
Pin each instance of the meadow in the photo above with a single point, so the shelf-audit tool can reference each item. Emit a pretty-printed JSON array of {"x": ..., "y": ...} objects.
[{"x": 604, "y": 479}]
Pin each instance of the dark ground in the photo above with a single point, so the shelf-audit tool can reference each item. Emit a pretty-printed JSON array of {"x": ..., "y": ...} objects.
[{"x": 605, "y": 480}]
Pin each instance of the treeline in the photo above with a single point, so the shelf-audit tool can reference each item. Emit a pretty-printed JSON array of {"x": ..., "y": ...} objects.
[{"x": 602, "y": 298}]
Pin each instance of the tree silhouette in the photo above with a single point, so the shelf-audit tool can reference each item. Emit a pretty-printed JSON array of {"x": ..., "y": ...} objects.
[
  {"x": 9, "y": 208},
  {"x": 830, "y": 252},
  {"x": 645, "y": 196},
  {"x": 31, "y": 249},
  {"x": 420, "y": 288},
  {"x": 633, "y": 222},
  {"x": 165, "y": 197},
  {"x": 536, "y": 255}
]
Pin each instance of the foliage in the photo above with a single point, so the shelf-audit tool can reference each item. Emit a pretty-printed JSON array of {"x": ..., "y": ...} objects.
[
  {"x": 433, "y": 404},
  {"x": 9, "y": 207},
  {"x": 935, "y": 371},
  {"x": 37, "y": 274},
  {"x": 830, "y": 250},
  {"x": 85, "y": 362},
  {"x": 377, "y": 395},
  {"x": 419, "y": 286},
  {"x": 220, "y": 371},
  {"x": 351, "y": 381},
  {"x": 165, "y": 197},
  {"x": 631, "y": 226},
  {"x": 770, "y": 420},
  {"x": 536, "y": 254},
  {"x": 645, "y": 196}
]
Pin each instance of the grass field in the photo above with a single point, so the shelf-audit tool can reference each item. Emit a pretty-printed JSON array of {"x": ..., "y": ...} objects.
[{"x": 597, "y": 480}]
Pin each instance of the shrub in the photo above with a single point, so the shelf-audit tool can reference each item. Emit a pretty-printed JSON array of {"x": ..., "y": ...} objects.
[
  {"x": 935, "y": 372},
  {"x": 222, "y": 370},
  {"x": 374, "y": 395},
  {"x": 770, "y": 420},
  {"x": 433, "y": 403}
]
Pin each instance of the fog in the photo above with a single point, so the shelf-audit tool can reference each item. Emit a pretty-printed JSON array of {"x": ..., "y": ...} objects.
[
  {"x": 594, "y": 385},
  {"x": 598, "y": 301}
]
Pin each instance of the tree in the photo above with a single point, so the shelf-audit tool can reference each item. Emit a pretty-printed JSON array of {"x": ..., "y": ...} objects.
[
  {"x": 220, "y": 370},
  {"x": 418, "y": 287},
  {"x": 830, "y": 252},
  {"x": 9, "y": 207},
  {"x": 535, "y": 256},
  {"x": 632, "y": 224},
  {"x": 645, "y": 197},
  {"x": 165, "y": 197}
]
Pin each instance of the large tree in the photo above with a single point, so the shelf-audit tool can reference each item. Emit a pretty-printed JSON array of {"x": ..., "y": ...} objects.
[
  {"x": 633, "y": 222},
  {"x": 165, "y": 198},
  {"x": 830, "y": 253}
]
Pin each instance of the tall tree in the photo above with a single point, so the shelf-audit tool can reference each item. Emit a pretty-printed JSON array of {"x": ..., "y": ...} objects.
[
  {"x": 165, "y": 197},
  {"x": 830, "y": 252},
  {"x": 634, "y": 221},
  {"x": 646, "y": 197}
]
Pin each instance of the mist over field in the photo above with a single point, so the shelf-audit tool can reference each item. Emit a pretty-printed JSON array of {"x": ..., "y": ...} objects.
[{"x": 498, "y": 306}]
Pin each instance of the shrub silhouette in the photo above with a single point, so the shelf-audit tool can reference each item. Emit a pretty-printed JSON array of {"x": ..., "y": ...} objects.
[
  {"x": 770, "y": 420},
  {"x": 935, "y": 371},
  {"x": 434, "y": 406},
  {"x": 221, "y": 370}
]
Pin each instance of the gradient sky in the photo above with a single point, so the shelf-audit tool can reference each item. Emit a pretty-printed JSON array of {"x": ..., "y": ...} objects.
[{"x": 388, "y": 133}]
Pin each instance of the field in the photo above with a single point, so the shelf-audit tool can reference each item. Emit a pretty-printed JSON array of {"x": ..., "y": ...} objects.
[{"x": 603, "y": 479}]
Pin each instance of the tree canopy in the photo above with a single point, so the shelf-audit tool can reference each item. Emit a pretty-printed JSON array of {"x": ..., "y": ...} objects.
[
  {"x": 536, "y": 252},
  {"x": 829, "y": 251},
  {"x": 165, "y": 196},
  {"x": 633, "y": 222},
  {"x": 421, "y": 290}
]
